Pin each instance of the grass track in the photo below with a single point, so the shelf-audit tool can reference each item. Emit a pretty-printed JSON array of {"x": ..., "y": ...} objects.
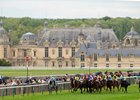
[
  {"x": 21, "y": 72},
  {"x": 132, "y": 94}
]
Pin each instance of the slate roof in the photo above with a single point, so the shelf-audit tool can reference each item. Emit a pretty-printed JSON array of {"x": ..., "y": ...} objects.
[{"x": 69, "y": 34}]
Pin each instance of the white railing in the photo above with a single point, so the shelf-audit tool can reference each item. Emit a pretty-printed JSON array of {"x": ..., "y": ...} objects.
[{"x": 67, "y": 68}]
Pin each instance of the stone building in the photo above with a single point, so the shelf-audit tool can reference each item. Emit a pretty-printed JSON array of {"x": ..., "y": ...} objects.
[{"x": 72, "y": 47}]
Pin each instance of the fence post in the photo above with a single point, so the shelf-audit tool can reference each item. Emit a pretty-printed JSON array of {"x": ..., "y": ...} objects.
[
  {"x": 33, "y": 89},
  {"x": 2, "y": 93},
  {"x": 42, "y": 89},
  {"x": 13, "y": 91}
]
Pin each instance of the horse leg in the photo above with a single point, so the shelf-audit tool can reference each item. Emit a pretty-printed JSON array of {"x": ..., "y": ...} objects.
[
  {"x": 81, "y": 90},
  {"x": 125, "y": 89},
  {"x": 110, "y": 89},
  {"x": 113, "y": 88},
  {"x": 56, "y": 89},
  {"x": 122, "y": 89},
  {"x": 50, "y": 90},
  {"x": 100, "y": 89}
]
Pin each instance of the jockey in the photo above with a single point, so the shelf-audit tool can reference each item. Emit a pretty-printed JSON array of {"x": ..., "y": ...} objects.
[
  {"x": 100, "y": 78},
  {"x": 104, "y": 77},
  {"x": 95, "y": 78},
  {"x": 76, "y": 78},
  {"x": 52, "y": 80},
  {"x": 90, "y": 77},
  {"x": 115, "y": 77},
  {"x": 109, "y": 78}
]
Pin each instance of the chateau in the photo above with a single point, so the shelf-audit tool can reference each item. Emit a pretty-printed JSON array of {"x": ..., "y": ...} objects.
[{"x": 72, "y": 47}]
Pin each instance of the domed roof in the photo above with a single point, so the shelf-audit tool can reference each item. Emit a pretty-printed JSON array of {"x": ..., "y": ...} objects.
[
  {"x": 2, "y": 30},
  {"x": 4, "y": 36},
  {"x": 28, "y": 38},
  {"x": 132, "y": 32},
  {"x": 28, "y": 35}
]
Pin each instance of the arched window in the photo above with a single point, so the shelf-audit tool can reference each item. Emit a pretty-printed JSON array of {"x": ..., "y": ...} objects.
[{"x": 127, "y": 41}]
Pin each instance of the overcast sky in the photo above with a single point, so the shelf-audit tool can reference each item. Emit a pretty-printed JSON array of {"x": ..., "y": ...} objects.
[{"x": 70, "y": 8}]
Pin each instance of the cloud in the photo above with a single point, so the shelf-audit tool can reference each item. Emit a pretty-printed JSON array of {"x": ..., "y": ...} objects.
[{"x": 70, "y": 8}]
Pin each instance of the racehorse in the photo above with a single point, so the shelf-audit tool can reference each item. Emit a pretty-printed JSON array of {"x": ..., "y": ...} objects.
[
  {"x": 85, "y": 84},
  {"x": 52, "y": 86},
  {"x": 75, "y": 85},
  {"x": 109, "y": 84},
  {"x": 97, "y": 86},
  {"x": 116, "y": 84},
  {"x": 124, "y": 85}
]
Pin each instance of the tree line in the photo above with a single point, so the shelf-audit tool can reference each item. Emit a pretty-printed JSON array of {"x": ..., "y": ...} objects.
[{"x": 19, "y": 26}]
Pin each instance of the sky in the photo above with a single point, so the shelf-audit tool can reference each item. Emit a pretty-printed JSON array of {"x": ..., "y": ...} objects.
[{"x": 70, "y": 8}]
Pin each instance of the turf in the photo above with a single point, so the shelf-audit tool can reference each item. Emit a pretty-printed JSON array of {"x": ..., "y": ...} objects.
[
  {"x": 132, "y": 94},
  {"x": 18, "y": 72}
]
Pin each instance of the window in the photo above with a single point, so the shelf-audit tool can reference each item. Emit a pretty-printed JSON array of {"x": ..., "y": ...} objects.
[
  {"x": 5, "y": 52},
  {"x": 46, "y": 52},
  {"x": 53, "y": 63},
  {"x": 60, "y": 51},
  {"x": 67, "y": 64},
  {"x": 107, "y": 65},
  {"x": 95, "y": 57},
  {"x": 73, "y": 51},
  {"x": 34, "y": 64},
  {"x": 131, "y": 65},
  {"x": 73, "y": 64},
  {"x": 82, "y": 65},
  {"x": 67, "y": 51},
  {"x": 14, "y": 53},
  {"x": 95, "y": 65},
  {"x": 53, "y": 51},
  {"x": 119, "y": 65},
  {"x": 34, "y": 53},
  {"x": 119, "y": 57},
  {"x": 82, "y": 57},
  {"x": 107, "y": 57},
  {"x": 24, "y": 52}
]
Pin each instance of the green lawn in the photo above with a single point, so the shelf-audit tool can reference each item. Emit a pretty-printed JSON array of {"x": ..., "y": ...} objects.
[
  {"x": 132, "y": 94},
  {"x": 18, "y": 72}
]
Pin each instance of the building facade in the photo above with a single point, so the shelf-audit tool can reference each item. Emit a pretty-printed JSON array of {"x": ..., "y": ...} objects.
[{"x": 72, "y": 47}]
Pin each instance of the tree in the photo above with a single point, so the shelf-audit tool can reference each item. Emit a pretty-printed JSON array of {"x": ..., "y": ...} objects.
[
  {"x": 106, "y": 18},
  {"x": 3, "y": 62}
]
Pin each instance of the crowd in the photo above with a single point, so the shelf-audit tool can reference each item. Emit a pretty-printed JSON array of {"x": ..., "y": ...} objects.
[{"x": 98, "y": 76}]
